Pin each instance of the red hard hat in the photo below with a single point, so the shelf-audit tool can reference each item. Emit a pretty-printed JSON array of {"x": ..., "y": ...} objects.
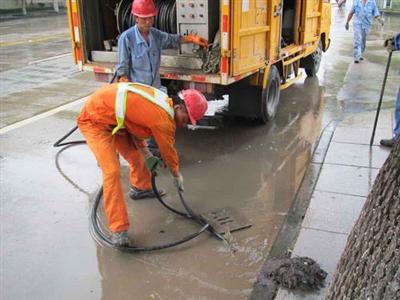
[
  {"x": 144, "y": 8},
  {"x": 196, "y": 104}
]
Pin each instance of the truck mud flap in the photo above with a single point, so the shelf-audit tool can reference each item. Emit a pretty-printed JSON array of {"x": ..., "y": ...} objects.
[{"x": 244, "y": 100}]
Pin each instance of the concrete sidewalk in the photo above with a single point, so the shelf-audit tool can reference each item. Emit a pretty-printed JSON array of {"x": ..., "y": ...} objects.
[{"x": 349, "y": 168}]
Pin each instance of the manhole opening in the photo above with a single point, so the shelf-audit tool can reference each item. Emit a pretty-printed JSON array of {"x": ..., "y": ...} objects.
[{"x": 226, "y": 219}]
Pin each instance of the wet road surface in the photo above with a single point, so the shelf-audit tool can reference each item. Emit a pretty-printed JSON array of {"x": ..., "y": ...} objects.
[
  {"x": 46, "y": 226},
  {"x": 22, "y": 40},
  {"x": 46, "y": 248},
  {"x": 36, "y": 68}
]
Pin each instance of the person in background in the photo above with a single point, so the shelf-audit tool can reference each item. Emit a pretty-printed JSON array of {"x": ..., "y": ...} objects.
[
  {"x": 396, "y": 130},
  {"x": 340, "y": 3},
  {"x": 363, "y": 11}
]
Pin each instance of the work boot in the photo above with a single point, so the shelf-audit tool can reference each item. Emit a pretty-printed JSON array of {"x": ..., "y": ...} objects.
[
  {"x": 137, "y": 194},
  {"x": 120, "y": 239},
  {"x": 389, "y": 142}
]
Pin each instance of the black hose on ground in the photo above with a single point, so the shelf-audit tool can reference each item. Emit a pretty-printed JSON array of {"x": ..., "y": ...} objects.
[
  {"x": 96, "y": 229},
  {"x": 100, "y": 236}
]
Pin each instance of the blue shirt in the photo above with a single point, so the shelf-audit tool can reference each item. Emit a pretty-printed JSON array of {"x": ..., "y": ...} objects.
[
  {"x": 139, "y": 60},
  {"x": 363, "y": 15}
]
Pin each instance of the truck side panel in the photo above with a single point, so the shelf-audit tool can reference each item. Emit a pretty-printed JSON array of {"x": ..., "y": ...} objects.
[
  {"x": 249, "y": 35},
  {"x": 311, "y": 26},
  {"x": 274, "y": 35}
]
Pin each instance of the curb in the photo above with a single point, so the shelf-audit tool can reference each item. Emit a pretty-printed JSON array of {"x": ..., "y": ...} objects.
[{"x": 265, "y": 288}]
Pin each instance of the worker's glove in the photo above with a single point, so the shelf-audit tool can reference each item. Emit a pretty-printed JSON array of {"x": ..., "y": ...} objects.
[
  {"x": 178, "y": 181},
  {"x": 347, "y": 26},
  {"x": 195, "y": 39},
  {"x": 151, "y": 162},
  {"x": 381, "y": 22},
  {"x": 390, "y": 44}
]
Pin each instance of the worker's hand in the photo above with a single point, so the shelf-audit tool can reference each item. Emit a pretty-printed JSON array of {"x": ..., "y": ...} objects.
[
  {"x": 178, "y": 181},
  {"x": 347, "y": 26},
  {"x": 195, "y": 39},
  {"x": 123, "y": 79},
  {"x": 381, "y": 21},
  {"x": 390, "y": 44},
  {"x": 151, "y": 162}
]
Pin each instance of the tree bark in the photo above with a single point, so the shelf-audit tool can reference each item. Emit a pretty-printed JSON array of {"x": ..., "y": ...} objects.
[{"x": 369, "y": 267}]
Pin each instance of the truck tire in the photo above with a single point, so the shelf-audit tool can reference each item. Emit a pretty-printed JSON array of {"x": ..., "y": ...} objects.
[
  {"x": 270, "y": 96},
  {"x": 313, "y": 61}
]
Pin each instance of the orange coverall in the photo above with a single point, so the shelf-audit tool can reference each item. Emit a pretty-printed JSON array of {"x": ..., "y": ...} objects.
[{"x": 143, "y": 119}]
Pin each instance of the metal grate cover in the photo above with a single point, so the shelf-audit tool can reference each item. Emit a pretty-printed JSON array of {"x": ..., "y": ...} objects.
[{"x": 226, "y": 219}]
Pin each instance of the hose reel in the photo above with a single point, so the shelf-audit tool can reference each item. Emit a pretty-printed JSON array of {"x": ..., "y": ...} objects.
[{"x": 164, "y": 21}]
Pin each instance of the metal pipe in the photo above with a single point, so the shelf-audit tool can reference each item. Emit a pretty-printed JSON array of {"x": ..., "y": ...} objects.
[{"x": 381, "y": 97}]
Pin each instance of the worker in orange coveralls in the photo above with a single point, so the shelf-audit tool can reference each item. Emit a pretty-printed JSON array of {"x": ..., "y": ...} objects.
[{"x": 119, "y": 118}]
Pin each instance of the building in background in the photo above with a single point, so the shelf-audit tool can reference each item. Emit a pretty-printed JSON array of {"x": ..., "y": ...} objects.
[{"x": 392, "y": 6}]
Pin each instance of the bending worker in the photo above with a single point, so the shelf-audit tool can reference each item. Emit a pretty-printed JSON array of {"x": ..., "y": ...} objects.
[
  {"x": 119, "y": 118},
  {"x": 363, "y": 11},
  {"x": 139, "y": 47}
]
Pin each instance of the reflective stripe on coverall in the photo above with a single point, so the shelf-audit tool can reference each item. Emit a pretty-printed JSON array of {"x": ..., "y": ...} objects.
[
  {"x": 142, "y": 119},
  {"x": 159, "y": 98}
]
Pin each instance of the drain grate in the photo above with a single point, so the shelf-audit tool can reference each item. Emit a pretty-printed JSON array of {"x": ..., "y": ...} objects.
[{"x": 226, "y": 219}]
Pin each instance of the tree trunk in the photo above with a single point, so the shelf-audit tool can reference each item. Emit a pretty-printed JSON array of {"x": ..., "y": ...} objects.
[{"x": 369, "y": 267}]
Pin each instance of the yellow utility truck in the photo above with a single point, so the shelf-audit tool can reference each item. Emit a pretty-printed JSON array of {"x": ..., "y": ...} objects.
[{"x": 257, "y": 47}]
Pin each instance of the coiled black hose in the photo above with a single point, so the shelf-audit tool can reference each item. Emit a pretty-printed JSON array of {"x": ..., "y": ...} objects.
[
  {"x": 101, "y": 237},
  {"x": 123, "y": 15},
  {"x": 164, "y": 21},
  {"x": 166, "y": 16}
]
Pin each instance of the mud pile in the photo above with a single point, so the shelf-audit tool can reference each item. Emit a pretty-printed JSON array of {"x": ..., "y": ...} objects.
[{"x": 299, "y": 273}]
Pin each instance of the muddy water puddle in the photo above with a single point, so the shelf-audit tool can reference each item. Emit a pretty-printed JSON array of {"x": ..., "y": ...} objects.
[{"x": 254, "y": 169}]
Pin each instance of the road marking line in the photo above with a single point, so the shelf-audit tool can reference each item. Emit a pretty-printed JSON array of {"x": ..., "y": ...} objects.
[
  {"x": 49, "y": 58},
  {"x": 41, "y": 116},
  {"x": 37, "y": 40}
]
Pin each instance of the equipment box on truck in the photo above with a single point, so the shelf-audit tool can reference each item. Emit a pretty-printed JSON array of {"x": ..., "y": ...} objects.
[{"x": 257, "y": 47}]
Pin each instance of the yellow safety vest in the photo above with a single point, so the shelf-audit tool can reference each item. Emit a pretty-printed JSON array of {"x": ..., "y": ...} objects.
[{"x": 160, "y": 98}]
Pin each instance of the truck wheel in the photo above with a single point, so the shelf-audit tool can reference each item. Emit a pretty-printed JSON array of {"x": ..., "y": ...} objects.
[
  {"x": 270, "y": 95},
  {"x": 313, "y": 61}
]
